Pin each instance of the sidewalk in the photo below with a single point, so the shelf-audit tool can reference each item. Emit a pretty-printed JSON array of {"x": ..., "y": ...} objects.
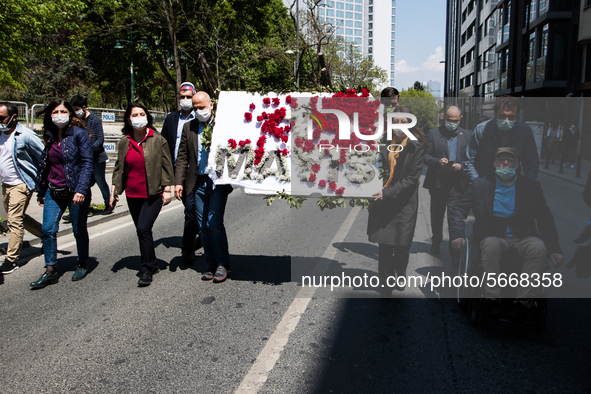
[
  {"x": 568, "y": 174},
  {"x": 36, "y": 212}
]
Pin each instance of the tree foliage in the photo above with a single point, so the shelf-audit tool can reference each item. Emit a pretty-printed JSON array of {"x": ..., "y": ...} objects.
[{"x": 422, "y": 104}]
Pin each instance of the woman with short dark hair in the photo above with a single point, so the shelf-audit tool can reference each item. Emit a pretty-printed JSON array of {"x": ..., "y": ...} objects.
[
  {"x": 144, "y": 170},
  {"x": 63, "y": 181}
]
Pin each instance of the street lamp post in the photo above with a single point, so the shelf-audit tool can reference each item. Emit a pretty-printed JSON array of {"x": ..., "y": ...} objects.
[{"x": 131, "y": 42}]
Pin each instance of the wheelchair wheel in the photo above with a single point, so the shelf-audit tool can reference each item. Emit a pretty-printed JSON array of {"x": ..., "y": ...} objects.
[
  {"x": 540, "y": 314},
  {"x": 463, "y": 292}
]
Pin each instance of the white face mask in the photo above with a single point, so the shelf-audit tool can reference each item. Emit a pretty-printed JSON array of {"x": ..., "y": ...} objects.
[
  {"x": 60, "y": 120},
  {"x": 80, "y": 113},
  {"x": 203, "y": 114},
  {"x": 139, "y": 123},
  {"x": 186, "y": 104},
  {"x": 4, "y": 127}
]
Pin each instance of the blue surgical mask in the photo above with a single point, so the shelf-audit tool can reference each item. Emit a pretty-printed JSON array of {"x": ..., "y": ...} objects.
[
  {"x": 451, "y": 126},
  {"x": 505, "y": 174},
  {"x": 505, "y": 125}
]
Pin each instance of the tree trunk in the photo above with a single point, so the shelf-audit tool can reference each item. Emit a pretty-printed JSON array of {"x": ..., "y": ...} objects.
[
  {"x": 210, "y": 80},
  {"x": 171, "y": 24}
]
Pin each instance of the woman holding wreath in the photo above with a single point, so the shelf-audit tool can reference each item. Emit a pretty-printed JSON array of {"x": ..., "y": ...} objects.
[
  {"x": 144, "y": 171},
  {"x": 393, "y": 213},
  {"x": 63, "y": 181}
]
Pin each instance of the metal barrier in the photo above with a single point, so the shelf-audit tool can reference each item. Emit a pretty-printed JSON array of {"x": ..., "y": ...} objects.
[
  {"x": 108, "y": 116},
  {"x": 23, "y": 110}
]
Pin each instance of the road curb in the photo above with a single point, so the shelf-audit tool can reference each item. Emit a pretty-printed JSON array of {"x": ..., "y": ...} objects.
[
  {"x": 556, "y": 175},
  {"x": 91, "y": 223}
]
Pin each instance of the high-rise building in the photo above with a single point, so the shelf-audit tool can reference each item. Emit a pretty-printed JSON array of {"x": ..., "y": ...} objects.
[
  {"x": 368, "y": 25},
  {"x": 519, "y": 47},
  {"x": 434, "y": 88}
]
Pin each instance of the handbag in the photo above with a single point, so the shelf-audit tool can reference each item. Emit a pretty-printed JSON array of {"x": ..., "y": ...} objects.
[{"x": 59, "y": 193}]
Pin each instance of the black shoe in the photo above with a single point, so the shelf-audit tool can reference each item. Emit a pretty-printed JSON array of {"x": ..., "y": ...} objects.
[
  {"x": 519, "y": 312},
  {"x": 44, "y": 280},
  {"x": 208, "y": 275},
  {"x": 187, "y": 260},
  {"x": 145, "y": 279},
  {"x": 79, "y": 273},
  {"x": 66, "y": 219},
  {"x": 220, "y": 274},
  {"x": 8, "y": 267},
  {"x": 108, "y": 210}
]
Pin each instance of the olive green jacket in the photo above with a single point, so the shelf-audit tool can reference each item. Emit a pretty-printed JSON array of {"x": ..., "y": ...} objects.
[{"x": 159, "y": 170}]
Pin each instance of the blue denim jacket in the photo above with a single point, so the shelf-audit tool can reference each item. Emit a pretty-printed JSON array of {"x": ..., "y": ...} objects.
[
  {"x": 27, "y": 151},
  {"x": 78, "y": 162}
]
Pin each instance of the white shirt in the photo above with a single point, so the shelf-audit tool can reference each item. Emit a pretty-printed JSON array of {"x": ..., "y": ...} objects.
[
  {"x": 8, "y": 171},
  {"x": 179, "y": 132}
]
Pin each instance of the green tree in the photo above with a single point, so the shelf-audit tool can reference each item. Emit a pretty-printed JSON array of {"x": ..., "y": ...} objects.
[
  {"x": 422, "y": 104},
  {"x": 418, "y": 86},
  {"x": 351, "y": 69},
  {"x": 24, "y": 24}
]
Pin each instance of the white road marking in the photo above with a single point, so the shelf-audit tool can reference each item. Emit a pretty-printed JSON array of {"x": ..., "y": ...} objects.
[
  {"x": 129, "y": 223},
  {"x": 263, "y": 365}
]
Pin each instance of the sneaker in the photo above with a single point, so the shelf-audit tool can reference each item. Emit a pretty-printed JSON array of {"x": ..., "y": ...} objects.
[
  {"x": 8, "y": 267},
  {"x": 208, "y": 275},
  {"x": 220, "y": 274},
  {"x": 79, "y": 273},
  {"x": 44, "y": 280},
  {"x": 145, "y": 279}
]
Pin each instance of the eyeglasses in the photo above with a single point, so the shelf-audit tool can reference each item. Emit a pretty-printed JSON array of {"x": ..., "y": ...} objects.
[
  {"x": 186, "y": 97},
  {"x": 510, "y": 160}
]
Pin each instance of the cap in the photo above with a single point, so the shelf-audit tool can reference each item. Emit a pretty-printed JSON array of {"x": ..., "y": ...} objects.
[
  {"x": 188, "y": 86},
  {"x": 506, "y": 149}
]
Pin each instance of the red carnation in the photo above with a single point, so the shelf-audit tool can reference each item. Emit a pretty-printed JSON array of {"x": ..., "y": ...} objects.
[
  {"x": 232, "y": 143},
  {"x": 248, "y": 116},
  {"x": 260, "y": 118},
  {"x": 246, "y": 141},
  {"x": 288, "y": 100},
  {"x": 332, "y": 185},
  {"x": 322, "y": 183},
  {"x": 312, "y": 178},
  {"x": 299, "y": 142},
  {"x": 266, "y": 101},
  {"x": 316, "y": 167},
  {"x": 340, "y": 191},
  {"x": 252, "y": 106},
  {"x": 276, "y": 101},
  {"x": 284, "y": 138}
]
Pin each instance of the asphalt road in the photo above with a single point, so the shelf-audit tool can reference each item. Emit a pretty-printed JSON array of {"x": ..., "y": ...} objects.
[{"x": 104, "y": 334}]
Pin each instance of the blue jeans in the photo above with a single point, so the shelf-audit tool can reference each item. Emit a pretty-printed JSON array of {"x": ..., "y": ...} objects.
[
  {"x": 210, "y": 205},
  {"x": 99, "y": 176},
  {"x": 52, "y": 213}
]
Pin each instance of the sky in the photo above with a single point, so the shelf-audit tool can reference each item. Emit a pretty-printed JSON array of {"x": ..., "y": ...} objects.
[{"x": 420, "y": 41}]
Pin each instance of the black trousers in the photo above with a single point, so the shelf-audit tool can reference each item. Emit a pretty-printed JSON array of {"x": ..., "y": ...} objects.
[
  {"x": 144, "y": 212},
  {"x": 392, "y": 261},
  {"x": 191, "y": 229},
  {"x": 442, "y": 200}
]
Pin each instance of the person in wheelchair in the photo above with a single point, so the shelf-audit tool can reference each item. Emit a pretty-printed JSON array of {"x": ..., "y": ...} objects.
[{"x": 510, "y": 213}]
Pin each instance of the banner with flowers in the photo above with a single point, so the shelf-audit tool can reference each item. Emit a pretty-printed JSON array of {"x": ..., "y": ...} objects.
[{"x": 310, "y": 144}]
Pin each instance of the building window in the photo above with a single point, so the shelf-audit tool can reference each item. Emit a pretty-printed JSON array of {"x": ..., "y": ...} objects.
[
  {"x": 358, "y": 25},
  {"x": 370, "y": 9},
  {"x": 393, "y": 59},
  {"x": 359, "y": 1},
  {"x": 340, "y": 6},
  {"x": 349, "y": 15},
  {"x": 358, "y": 8},
  {"x": 369, "y": 57},
  {"x": 340, "y": 22},
  {"x": 370, "y": 34},
  {"x": 393, "y": 3},
  {"x": 358, "y": 41},
  {"x": 340, "y": 14},
  {"x": 370, "y": 25},
  {"x": 369, "y": 50},
  {"x": 358, "y": 17},
  {"x": 543, "y": 8},
  {"x": 393, "y": 18},
  {"x": 339, "y": 30},
  {"x": 358, "y": 33},
  {"x": 349, "y": 23},
  {"x": 349, "y": 7},
  {"x": 330, "y": 4},
  {"x": 391, "y": 74},
  {"x": 330, "y": 21},
  {"x": 321, "y": 11},
  {"x": 349, "y": 32},
  {"x": 393, "y": 36},
  {"x": 329, "y": 12},
  {"x": 393, "y": 27},
  {"x": 370, "y": 17},
  {"x": 392, "y": 51},
  {"x": 392, "y": 43},
  {"x": 370, "y": 41}
]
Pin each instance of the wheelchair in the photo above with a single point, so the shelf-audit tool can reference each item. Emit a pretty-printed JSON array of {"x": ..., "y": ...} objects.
[{"x": 472, "y": 300}]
